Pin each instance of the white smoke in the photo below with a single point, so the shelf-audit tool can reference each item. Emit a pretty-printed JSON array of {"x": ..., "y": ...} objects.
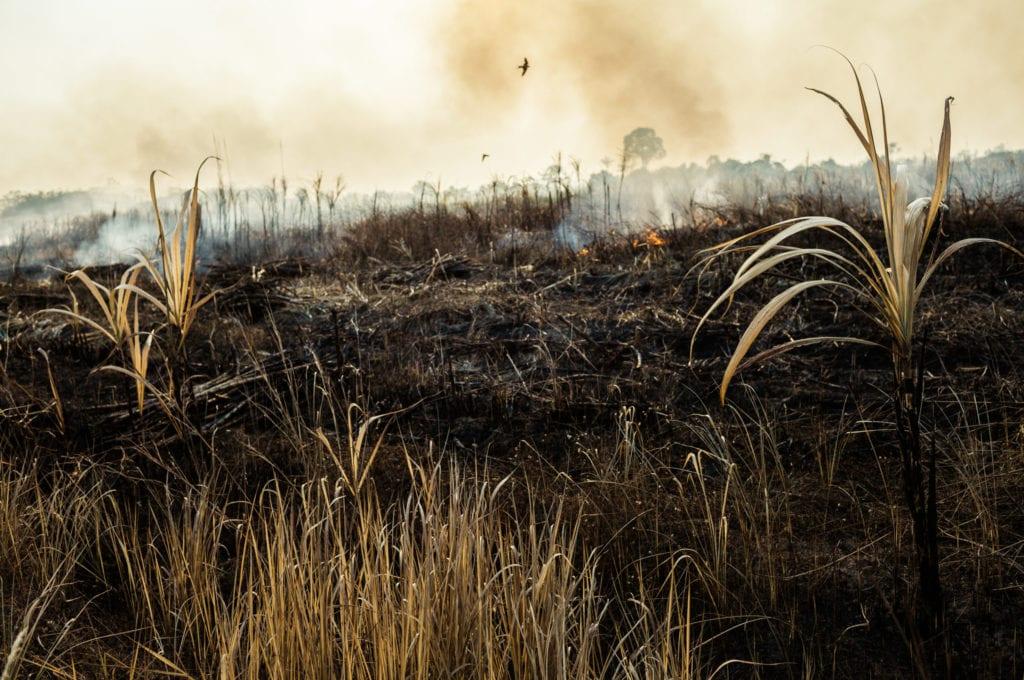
[
  {"x": 103, "y": 226},
  {"x": 118, "y": 240}
]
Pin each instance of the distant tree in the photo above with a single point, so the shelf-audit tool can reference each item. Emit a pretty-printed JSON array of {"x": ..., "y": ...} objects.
[{"x": 645, "y": 144}]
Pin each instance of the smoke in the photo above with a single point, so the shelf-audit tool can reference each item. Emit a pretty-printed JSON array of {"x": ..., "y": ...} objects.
[
  {"x": 118, "y": 239},
  {"x": 125, "y": 123},
  {"x": 70, "y": 229},
  {"x": 389, "y": 93},
  {"x": 726, "y": 77},
  {"x": 618, "y": 65}
]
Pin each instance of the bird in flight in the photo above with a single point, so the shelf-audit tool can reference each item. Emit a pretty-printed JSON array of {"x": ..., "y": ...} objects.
[
  {"x": 484, "y": 156},
  {"x": 524, "y": 67}
]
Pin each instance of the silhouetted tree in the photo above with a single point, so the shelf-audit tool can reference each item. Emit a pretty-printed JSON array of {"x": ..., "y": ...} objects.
[{"x": 645, "y": 144}]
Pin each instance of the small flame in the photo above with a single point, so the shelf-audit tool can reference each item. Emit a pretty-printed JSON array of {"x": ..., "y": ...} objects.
[
  {"x": 655, "y": 239},
  {"x": 583, "y": 252},
  {"x": 651, "y": 238}
]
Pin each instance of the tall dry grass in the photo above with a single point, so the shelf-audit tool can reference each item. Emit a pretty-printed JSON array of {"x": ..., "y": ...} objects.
[
  {"x": 304, "y": 583},
  {"x": 467, "y": 574}
]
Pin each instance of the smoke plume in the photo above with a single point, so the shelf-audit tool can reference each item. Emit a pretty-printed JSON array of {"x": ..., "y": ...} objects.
[
  {"x": 618, "y": 64},
  {"x": 390, "y": 93}
]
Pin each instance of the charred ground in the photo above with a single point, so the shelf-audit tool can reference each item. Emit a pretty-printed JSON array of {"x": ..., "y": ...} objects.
[{"x": 571, "y": 374}]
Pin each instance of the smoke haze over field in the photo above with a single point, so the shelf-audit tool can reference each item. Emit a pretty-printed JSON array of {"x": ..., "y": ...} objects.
[
  {"x": 618, "y": 63},
  {"x": 388, "y": 93}
]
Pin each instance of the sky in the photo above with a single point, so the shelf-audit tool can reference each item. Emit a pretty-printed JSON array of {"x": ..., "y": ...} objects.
[{"x": 390, "y": 92}]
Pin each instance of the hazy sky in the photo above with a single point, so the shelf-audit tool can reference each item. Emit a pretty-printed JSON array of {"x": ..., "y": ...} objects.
[{"x": 390, "y": 92}]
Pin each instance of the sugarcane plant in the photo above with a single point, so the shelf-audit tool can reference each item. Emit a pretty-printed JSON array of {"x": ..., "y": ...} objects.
[
  {"x": 174, "y": 295},
  {"x": 115, "y": 323},
  {"x": 889, "y": 283},
  {"x": 174, "y": 277},
  {"x": 113, "y": 303}
]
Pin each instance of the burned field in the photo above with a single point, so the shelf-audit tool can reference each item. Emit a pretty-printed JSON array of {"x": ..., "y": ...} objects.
[{"x": 411, "y": 465}]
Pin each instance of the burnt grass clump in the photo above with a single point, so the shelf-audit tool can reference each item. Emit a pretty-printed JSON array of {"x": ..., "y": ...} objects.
[{"x": 569, "y": 374}]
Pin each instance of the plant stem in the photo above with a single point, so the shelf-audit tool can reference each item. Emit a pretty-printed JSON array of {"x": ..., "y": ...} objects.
[{"x": 919, "y": 488}]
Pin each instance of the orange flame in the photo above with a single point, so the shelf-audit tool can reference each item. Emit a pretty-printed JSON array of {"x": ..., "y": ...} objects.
[
  {"x": 652, "y": 239},
  {"x": 655, "y": 239}
]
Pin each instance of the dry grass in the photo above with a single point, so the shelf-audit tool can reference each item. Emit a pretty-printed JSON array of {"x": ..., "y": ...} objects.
[
  {"x": 468, "y": 573},
  {"x": 315, "y": 585}
]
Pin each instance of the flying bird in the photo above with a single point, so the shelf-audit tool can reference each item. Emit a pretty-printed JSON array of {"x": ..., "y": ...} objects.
[
  {"x": 524, "y": 67},
  {"x": 484, "y": 156}
]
